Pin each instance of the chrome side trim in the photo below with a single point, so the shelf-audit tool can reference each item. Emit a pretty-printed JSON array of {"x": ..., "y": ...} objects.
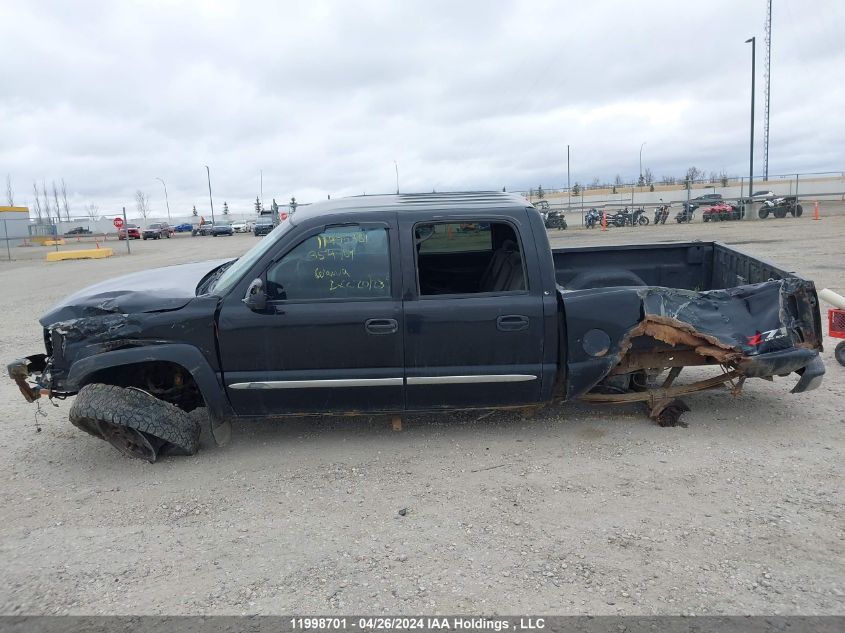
[
  {"x": 323, "y": 384},
  {"x": 465, "y": 380}
]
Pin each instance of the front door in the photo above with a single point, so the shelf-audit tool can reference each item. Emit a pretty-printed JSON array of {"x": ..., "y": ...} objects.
[{"x": 330, "y": 336}]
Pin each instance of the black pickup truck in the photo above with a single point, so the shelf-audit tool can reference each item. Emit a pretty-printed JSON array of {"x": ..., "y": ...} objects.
[{"x": 392, "y": 304}]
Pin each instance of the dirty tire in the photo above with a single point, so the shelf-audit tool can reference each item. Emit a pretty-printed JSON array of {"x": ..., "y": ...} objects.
[
  {"x": 839, "y": 352},
  {"x": 150, "y": 426},
  {"x": 797, "y": 211},
  {"x": 780, "y": 213}
]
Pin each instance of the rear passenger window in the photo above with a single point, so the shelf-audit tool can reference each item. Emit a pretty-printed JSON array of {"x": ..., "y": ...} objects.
[
  {"x": 468, "y": 258},
  {"x": 345, "y": 262}
]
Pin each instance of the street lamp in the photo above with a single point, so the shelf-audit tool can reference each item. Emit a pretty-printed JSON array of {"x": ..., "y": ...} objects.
[
  {"x": 396, "y": 165},
  {"x": 165, "y": 198},
  {"x": 210, "y": 201},
  {"x": 748, "y": 215},
  {"x": 641, "y": 161}
]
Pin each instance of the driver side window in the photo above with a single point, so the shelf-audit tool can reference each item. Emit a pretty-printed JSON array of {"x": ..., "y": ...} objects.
[{"x": 345, "y": 262}]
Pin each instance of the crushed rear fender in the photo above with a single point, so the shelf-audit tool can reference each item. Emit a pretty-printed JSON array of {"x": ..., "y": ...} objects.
[{"x": 762, "y": 330}]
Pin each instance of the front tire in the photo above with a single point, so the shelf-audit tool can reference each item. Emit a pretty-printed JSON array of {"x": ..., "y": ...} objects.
[
  {"x": 135, "y": 422},
  {"x": 797, "y": 211}
]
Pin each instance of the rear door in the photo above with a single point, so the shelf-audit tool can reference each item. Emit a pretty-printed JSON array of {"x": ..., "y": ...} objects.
[
  {"x": 473, "y": 312},
  {"x": 330, "y": 337}
]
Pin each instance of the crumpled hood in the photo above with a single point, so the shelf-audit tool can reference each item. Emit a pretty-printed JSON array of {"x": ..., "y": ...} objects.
[{"x": 168, "y": 288}]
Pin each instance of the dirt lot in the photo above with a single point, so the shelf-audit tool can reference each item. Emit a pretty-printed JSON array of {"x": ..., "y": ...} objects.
[{"x": 579, "y": 509}]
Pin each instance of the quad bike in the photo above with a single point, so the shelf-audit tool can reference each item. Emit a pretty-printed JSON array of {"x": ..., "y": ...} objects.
[
  {"x": 555, "y": 220},
  {"x": 779, "y": 207}
]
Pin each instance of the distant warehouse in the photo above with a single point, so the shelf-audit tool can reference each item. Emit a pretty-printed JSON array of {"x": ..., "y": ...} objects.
[{"x": 14, "y": 225}]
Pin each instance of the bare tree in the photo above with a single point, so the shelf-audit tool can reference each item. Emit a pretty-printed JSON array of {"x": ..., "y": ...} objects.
[
  {"x": 714, "y": 177},
  {"x": 92, "y": 211},
  {"x": 693, "y": 174},
  {"x": 618, "y": 180},
  {"x": 56, "y": 201},
  {"x": 10, "y": 195},
  {"x": 142, "y": 201},
  {"x": 648, "y": 176},
  {"x": 595, "y": 184},
  {"x": 669, "y": 180},
  {"x": 47, "y": 208},
  {"x": 64, "y": 200},
  {"x": 39, "y": 213}
]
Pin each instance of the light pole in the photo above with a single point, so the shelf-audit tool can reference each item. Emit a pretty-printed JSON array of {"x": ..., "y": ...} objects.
[
  {"x": 210, "y": 201},
  {"x": 641, "y": 162},
  {"x": 396, "y": 166},
  {"x": 161, "y": 180},
  {"x": 749, "y": 214}
]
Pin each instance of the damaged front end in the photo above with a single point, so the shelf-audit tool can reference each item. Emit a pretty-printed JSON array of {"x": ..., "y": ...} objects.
[
  {"x": 20, "y": 371},
  {"x": 620, "y": 339}
]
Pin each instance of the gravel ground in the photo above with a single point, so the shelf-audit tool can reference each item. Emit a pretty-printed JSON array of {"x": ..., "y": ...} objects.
[{"x": 578, "y": 509}]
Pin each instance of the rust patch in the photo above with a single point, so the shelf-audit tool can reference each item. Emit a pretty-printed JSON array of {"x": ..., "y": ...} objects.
[{"x": 674, "y": 332}]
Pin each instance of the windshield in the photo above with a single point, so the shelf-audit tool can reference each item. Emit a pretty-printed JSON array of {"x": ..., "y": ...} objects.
[{"x": 234, "y": 272}]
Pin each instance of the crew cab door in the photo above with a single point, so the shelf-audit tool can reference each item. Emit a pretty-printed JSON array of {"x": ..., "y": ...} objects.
[
  {"x": 473, "y": 312},
  {"x": 329, "y": 338}
]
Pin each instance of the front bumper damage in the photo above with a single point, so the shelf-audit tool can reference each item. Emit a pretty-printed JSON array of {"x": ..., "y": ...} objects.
[{"x": 21, "y": 369}]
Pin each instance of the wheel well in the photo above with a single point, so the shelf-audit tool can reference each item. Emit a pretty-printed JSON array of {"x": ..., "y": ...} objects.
[{"x": 165, "y": 380}]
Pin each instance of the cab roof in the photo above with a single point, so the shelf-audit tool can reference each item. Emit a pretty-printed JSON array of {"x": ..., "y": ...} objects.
[{"x": 476, "y": 200}]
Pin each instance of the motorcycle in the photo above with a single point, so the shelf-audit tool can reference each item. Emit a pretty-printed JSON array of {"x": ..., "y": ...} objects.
[
  {"x": 555, "y": 220},
  {"x": 639, "y": 217},
  {"x": 619, "y": 219},
  {"x": 592, "y": 218},
  {"x": 687, "y": 214},
  {"x": 661, "y": 214}
]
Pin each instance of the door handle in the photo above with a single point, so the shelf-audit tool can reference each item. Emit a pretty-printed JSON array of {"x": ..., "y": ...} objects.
[
  {"x": 381, "y": 326},
  {"x": 512, "y": 323}
]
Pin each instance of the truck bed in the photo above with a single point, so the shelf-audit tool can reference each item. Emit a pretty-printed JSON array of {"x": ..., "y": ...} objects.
[
  {"x": 625, "y": 308},
  {"x": 687, "y": 265}
]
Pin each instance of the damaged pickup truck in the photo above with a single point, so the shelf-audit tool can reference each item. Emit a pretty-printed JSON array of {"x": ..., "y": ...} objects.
[{"x": 427, "y": 302}]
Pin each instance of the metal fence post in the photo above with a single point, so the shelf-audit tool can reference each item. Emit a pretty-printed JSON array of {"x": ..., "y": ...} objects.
[
  {"x": 6, "y": 233},
  {"x": 126, "y": 228}
]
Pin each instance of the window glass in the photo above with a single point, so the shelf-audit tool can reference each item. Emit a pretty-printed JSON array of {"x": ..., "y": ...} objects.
[
  {"x": 344, "y": 262},
  {"x": 468, "y": 258},
  {"x": 452, "y": 237}
]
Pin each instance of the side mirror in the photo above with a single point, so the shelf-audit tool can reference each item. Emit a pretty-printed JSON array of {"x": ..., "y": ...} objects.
[{"x": 256, "y": 298}]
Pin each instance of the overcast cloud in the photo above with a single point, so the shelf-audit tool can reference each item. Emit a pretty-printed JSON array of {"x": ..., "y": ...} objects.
[{"x": 324, "y": 96}]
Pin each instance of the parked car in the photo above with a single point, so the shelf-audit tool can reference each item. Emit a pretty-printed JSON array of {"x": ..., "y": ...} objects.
[
  {"x": 221, "y": 228},
  {"x": 380, "y": 304},
  {"x": 708, "y": 198},
  {"x": 720, "y": 212},
  {"x": 132, "y": 230},
  {"x": 185, "y": 227},
  {"x": 763, "y": 195},
  {"x": 240, "y": 227},
  {"x": 262, "y": 226},
  {"x": 79, "y": 230},
  {"x": 156, "y": 231}
]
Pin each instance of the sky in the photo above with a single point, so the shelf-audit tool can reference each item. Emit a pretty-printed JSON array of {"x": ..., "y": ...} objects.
[{"x": 333, "y": 98}]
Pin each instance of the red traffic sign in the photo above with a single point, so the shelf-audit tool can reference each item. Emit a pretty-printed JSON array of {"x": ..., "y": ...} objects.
[{"x": 118, "y": 222}]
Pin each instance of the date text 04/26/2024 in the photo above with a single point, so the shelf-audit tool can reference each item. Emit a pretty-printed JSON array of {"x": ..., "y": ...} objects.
[{"x": 410, "y": 623}]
